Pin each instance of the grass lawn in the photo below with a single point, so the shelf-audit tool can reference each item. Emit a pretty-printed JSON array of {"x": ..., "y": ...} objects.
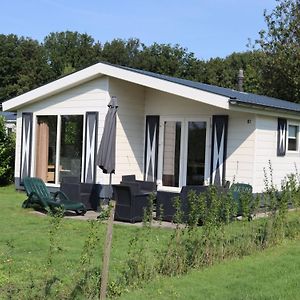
[
  {"x": 29, "y": 235},
  {"x": 273, "y": 274}
]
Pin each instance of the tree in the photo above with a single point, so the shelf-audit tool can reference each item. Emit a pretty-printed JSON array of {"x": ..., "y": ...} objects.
[
  {"x": 23, "y": 66},
  {"x": 223, "y": 71},
  {"x": 7, "y": 157},
  {"x": 70, "y": 51},
  {"x": 280, "y": 45},
  {"x": 166, "y": 59},
  {"x": 122, "y": 52}
]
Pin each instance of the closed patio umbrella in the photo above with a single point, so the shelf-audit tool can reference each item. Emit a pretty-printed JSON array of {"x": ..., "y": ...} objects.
[
  {"x": 106, "y": 160},
  {"x": 106, "y": 157}
]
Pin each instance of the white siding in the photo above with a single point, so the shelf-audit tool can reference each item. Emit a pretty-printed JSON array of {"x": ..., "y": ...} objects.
[
  {"x": 240, "y": 148},
  {"x": 130, "y": 128},
  {"x": 89, "y": 96},
  {"x": 266, "y": 149},
  {"x": 164, "y": 104}
]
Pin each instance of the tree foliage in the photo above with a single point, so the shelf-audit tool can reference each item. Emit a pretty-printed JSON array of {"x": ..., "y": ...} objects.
[
  {"x": 23, "y": 66},
  {"x": 223, "y": 72},
  {"x": 280, "y": 45},
  {"x": 70, "y": 51},
  {"x": 7, "y": 150},
  {"x": 122, "y": 52}
]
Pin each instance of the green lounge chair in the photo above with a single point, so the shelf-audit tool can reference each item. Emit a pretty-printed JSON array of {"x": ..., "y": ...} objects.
[{"x": 38, "y": 194}]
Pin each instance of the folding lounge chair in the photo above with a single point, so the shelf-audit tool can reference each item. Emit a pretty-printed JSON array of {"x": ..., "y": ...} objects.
[{"x": 38, "y": 194}]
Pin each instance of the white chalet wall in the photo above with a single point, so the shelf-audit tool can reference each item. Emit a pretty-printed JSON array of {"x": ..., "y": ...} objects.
[
  {"x": 89, "y": 96},
  {"x": 266, "y": 149},
  {"x": 167, "y": 105},
  {"x": 240, "y": 147},
  {"x": 130, "y": 128}
]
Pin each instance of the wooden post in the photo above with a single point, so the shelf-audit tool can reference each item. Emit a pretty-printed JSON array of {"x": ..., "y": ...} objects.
[{"x": 106, "y": 254}]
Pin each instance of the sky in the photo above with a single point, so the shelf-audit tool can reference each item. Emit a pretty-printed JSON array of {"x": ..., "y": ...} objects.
[{"x": 208, "y": 28}]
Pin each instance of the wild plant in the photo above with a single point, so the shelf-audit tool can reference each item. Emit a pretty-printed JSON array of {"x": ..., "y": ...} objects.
[
  {"x": 173, "y": 259},
  {"x": 148, "y": 211},
  {"x": 55, "y": 221},
  {"x": 86, "y": 279},
  {"x": 270, "y": 194},
  {"x": 140, "y": 265},
  {"x": 194, "y": 208},
  {"x": 292, "y": 184}
]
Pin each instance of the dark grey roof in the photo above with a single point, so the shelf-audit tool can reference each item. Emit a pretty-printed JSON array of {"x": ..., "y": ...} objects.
[
  {"x": 234, "y": 96},
  {"x": 9, "y": 116}
]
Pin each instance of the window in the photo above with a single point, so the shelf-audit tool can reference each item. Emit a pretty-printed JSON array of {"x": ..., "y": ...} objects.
[
  {"x": 184, "y": 154},
  {"x": 293, "y": 137},
  {"x": 196, "y": 153},
  {"x": 59, "y": 147},
  {"x": 171, "y": 156},
  {"x": 71, "y": 146}
]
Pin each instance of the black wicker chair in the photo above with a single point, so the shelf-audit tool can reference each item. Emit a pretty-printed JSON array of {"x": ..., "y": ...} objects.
[
  {"x": 165, "y": 209},
  {"x": 129, "y": 205},
  {"x": 143, "y": 186},
  {"x": 87, "y": 193}
]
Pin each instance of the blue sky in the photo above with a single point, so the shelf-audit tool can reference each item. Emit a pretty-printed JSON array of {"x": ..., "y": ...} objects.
[{"x": 209, "y": 28}]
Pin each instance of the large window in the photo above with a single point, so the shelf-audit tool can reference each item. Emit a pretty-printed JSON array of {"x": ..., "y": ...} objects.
[
  {"x": 184, "y": 155},
  {"x": 293, "y": 137},
  {"x": 59, "y": 147}
]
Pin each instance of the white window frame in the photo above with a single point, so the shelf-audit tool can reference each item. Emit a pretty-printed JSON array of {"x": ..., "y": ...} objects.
[
  {"x": 183, "y": 150},
  {"x": 58, "y": 142},
  {"x": 297, "y": 137}
]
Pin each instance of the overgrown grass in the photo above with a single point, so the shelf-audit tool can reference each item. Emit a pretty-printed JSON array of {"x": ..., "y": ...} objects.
[{"x": 272, "y": 274}]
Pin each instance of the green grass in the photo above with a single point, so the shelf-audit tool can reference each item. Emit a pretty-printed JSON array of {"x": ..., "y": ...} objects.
[
  {"x": 272, "y": 274},
  {"x": 29, "y": 235}
]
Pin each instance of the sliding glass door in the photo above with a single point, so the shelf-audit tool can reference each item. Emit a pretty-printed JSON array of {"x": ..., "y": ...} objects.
[
  {"x": 59, "y": 147},
  {"x": 183, "y": 156}
]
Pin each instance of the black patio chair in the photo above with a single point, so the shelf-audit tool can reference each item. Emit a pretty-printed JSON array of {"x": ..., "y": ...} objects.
[
  {"x": 143, "y": 186},
  {"x": 129, "y": 205},
  {"x": 165, "y": 209}
]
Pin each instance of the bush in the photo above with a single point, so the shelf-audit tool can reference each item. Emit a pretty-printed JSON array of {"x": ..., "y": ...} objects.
[{"x": 7, "y": 154}]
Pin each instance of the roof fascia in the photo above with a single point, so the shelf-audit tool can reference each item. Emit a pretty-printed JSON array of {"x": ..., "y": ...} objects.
[{"x": 265, "y": 111}]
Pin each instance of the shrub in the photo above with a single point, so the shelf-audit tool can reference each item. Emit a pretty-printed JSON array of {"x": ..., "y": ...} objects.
[{"x": 7, "y": 157}]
